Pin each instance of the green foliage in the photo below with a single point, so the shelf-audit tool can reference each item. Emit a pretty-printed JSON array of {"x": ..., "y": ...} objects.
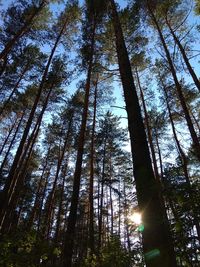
[
  {"x": 17, "y": 249},
  {"x": 112, "y": 255},
  {"x": 197, "y": 7},
  {"x": 22, "y": 248},
  {"x": 183, "y": 206},
  {"x": 36, "y": 206},
  {"x": 115, "y": 255}
]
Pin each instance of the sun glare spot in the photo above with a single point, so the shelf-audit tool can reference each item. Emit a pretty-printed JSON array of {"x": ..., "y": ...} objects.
[{"x": 136, "y": 217}]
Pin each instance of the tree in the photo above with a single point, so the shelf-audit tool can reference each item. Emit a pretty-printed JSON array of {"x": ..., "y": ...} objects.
[
  {"x": 28, "y": 15},
  {"x": 70, "y": 191},
  {"x": 156, "y": 235},
  {"x": 176, "y": 81},
  {"x": 92, "y": 20},
  {"x": 12, "y": 179}
]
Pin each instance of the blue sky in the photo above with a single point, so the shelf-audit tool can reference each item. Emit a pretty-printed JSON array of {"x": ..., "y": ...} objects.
[
  {"x": 117, "y": 88},
  {"x": 122, "y": 3}
]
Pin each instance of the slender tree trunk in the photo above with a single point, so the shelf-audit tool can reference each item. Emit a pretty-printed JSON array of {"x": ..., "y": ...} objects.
[
  {"x": 3, "y": 67},
  {"x": 178, "y": 88},
  {"x": 111, "y": 211},
  {"x": 119, "y": 206},
  {"x": 17, "y": 194},
  {"x": 37, "y": 197},
  {"x": 186, "y": 60},
  {"x": 195, "y": 121},
  {"x": 149, "y": 135},
  {"x": 25, "y": 28},
  {"x": 9, "y": 133},
  {"x": 39, "y": 221},
  {"x": 20, "y": 173},
  {"x": 91, "y": 182},
  {"x": 60, "y": 210},
  {"x": 59, "y": 164},
  {"x": 32, "y": 139},
  {"x": 100, "y": 222},
  {"x": 106, "y": 224},
  {"x": 12, "y": 142},
  {"x": 14, "y": 90},
  {"x": 159, "y": 154},
  {"x": 11, "y": 181},
  {"x": 184, "y": 163},
  {"x": 110, "y": 196},
  {"x": 156, "y": 235},
  {"x": 126, "y": 227},
  {"x": 69, "y": 241}
]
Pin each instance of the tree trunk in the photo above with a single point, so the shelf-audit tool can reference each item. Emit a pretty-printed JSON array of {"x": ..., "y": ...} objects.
[
  {"x": 9, "y": 133},
  {"x": 60, "y": 209},
  {"x": 20, "y": 172},
  {"x": 186, "y": 60},
  {"x": 100, "y": 222},
  {"x": 39, "y": 221},
  {"x": 14, "y": 90},
  {"x": 159, "y": 154},
  {"x": 12, "y": 142},
  {"x": 59, "y": 164},
  {"x": 3, "y": 67},
  {"x": 126, "y": 226},
  {"x": 11, "y": 181},
  {"x": 69, "y": 240},
  {"x": 22, "y": 31},
  {"x": 178, "y": 88},
  {"x": 149, "y": 135},
  {"x": 119, "y": 208},
  {"x": 110, "y": 196},
  {"x": 184, "y": 163},
  {"x": 32, "y": 139},
  {"x": 157, "y": 243},
  {"x": 195, "y": 121},
  {"x": 37, "y": 197},
  {"x": 91, "y": 182}
]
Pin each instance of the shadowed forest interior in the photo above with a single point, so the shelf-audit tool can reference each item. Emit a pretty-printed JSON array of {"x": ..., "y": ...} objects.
[{"x": 99, "y": 133}]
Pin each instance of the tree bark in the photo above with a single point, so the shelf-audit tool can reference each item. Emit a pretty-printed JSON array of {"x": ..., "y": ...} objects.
[
  {"x": 69, "y": 240},
  {"x": 60, "y": 209},
  {"x": 91, "y": 182},
  {"x": 157, "y": 243},
  {"x": 149, "y": 135},
  {"x": 100, "y": 221},
  {"x": 159, "y": 154},
  {"x": 111, "y": 200}
]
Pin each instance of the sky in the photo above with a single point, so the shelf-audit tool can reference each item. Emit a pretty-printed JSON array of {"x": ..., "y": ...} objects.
[
  {"x": 117, "y": 87},
  {"x": 5, "y": 3}
]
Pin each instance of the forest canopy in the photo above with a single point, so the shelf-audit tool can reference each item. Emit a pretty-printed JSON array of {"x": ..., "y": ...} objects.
[{"x": 100, "y": 133}]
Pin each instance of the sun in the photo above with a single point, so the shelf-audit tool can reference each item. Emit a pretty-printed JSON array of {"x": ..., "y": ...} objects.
[{"x": 136, "y": 217}]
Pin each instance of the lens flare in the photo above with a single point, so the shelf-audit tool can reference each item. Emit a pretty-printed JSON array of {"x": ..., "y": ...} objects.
[{"x": 136, "y": 217}]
